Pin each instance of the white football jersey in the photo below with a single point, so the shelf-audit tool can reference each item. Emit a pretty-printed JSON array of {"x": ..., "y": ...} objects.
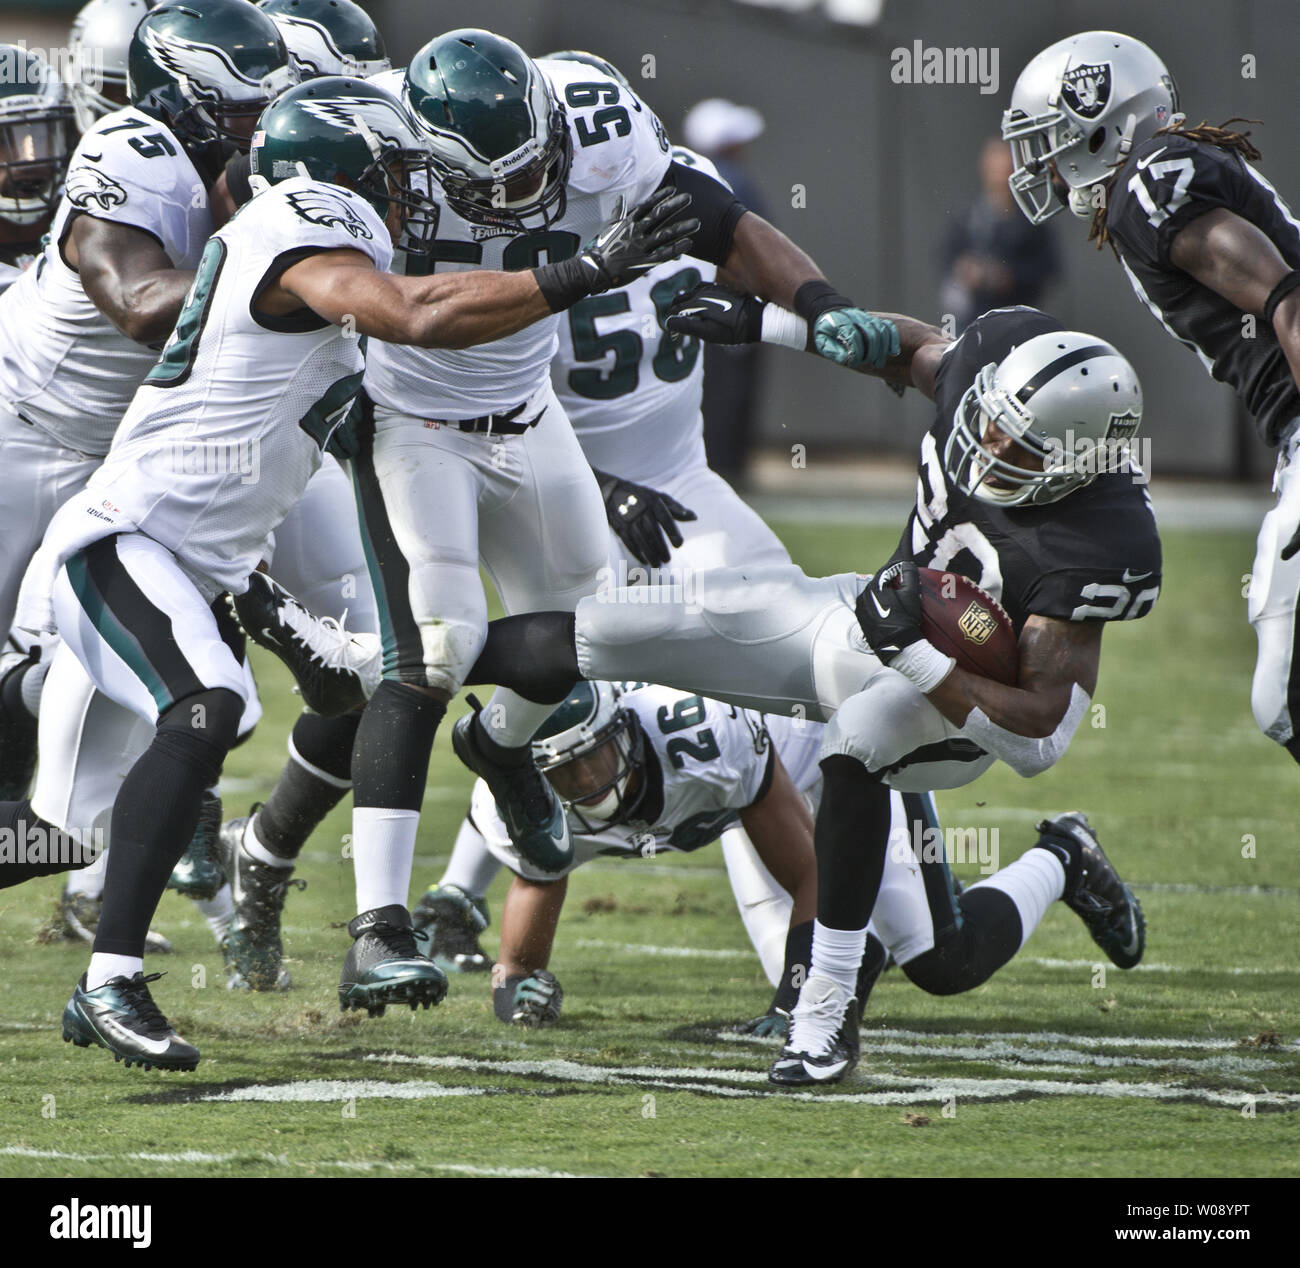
[
  {"x": 620, "y": 149},
  {"x": 631, "y": 392},
  {"x": 63, "y": 364},
  {"x": 706, "y": 762},
  {"x": 229, "y": 425}
]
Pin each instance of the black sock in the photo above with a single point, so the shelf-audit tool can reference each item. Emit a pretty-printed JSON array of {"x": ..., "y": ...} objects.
[
  {"x": 157, "y": 810},
  {"x": 30, "y": 847},
  {"x": 390, "y": 758},
  {"x": 851, "y": 837},
  {"x": 533, "y": 653},
  {"x": 968, "y": 955},
  {"x": 301, "y": 798},
  {"x": 798, "y": 960},
  {"x": 12, "y": 708},
  {"x": 874, "y": 959}
]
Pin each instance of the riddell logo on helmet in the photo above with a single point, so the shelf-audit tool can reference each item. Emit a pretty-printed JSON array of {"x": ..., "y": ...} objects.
[{"x": 521, "y": 155}]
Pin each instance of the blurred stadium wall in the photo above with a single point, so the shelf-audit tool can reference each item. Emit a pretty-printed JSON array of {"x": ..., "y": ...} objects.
[{"x": 885, "y": 165}]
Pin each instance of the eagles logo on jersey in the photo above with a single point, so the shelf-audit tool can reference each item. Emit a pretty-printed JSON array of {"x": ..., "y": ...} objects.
[
  {"x": 88, "y": 186},
  {"x": 321, "y": 208}
]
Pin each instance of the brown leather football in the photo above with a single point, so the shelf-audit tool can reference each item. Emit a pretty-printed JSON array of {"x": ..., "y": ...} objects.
[{"x": 969, "y": 624}]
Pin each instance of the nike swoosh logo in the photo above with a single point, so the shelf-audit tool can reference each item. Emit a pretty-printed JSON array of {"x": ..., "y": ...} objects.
[
  {"x": 1142, "y": 163},
  {"x": 92, "y": 158},
  {"x": 123, "y": 1035},
  {"x": 823, "y": 1072},
  {"x": 883, "y": 611},
  {"x": 725, "y": 304},
  {"x": 1130, "y": 577},
  {"x": 270, "y": 638}
]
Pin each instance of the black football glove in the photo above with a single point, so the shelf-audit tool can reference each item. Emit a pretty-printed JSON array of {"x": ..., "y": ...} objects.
[
  {"x": 1292, "y": 546},
  {"x": 633, "y": 243},
  {"x": 716, "y": 314},
  {"x": 641, "y": 518},
  {"x": 889, "y": 610}
]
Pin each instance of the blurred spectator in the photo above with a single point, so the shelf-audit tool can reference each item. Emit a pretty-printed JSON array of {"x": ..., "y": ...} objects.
[
  {"x": 721, "y": 130},
  {"x": 994, "y": 256}
]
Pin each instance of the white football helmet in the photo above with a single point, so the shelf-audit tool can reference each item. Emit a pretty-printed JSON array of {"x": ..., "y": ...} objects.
[
  {"x": 1066, "y": 397},
  {"x": 590, "y": 748},
  {"x": 36, "y": 135},
  {"x": 97, "y": 48},
  {"x": 1079, "y": 107}
]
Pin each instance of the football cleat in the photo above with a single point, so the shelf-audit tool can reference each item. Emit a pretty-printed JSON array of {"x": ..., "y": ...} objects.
[
  {"x": 453, "y": 920},
  {"x": 1094, "y": 890},
  {"x": 198, "y": 873},
  {"x": 78, "y": 921},
  {"x": 824, "y": 1006},
  {"x": 122, "y": 1017},
  {"x": 252, "y": 950},
  {"x": 17, "y": 733},
  {"x": 537, "y": 1002},
  {"x": 526, "y": 802},
  {"x": 336, "y": 671},
  {"x": 384, "y": 966}
]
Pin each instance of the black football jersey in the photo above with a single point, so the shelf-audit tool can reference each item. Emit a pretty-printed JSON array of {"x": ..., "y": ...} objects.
[
  {"x": 1168, "y": 181},
  {"x": 1092, "y": 556}
]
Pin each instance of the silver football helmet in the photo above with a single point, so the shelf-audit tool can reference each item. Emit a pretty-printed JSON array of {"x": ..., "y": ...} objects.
[
  {"x": 590, "y": 749},
  {"x": 97, "y": 48},
  {"x": 1066, "y": 398},
  {"x": 1079, "y": 107}
]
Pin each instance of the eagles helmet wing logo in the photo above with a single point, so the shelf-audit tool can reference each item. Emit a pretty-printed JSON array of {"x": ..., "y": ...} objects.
[
  {"x": 354, "y": 114},
  {"x": 321, "y": 208},
  {"x": 1086, "y": 89},
  {"x": 202, "y": 66},
  {"x": 88, "y": 186}
]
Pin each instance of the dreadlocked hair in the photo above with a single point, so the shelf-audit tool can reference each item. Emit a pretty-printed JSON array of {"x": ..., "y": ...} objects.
[{"x": 1222, "y": 136}]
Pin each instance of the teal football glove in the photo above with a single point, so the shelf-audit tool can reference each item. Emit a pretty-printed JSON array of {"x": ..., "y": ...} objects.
[
  {"x": 534, "y": 1000},
  {"x": 853, "y": 336}
]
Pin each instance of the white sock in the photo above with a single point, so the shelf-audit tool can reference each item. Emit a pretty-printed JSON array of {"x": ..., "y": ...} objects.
[
  {"x": 254, "y": 848},
  {"x": 510, "y": 720},
  {"x": 104, "y": 966},
  {"x": 472, "y": 867},
  {"x": 1033, "y": 882},
  {"x": 383, "y": 848},
  {"x": 837, "y": 954},
  {"x": 218, "y": 911}
]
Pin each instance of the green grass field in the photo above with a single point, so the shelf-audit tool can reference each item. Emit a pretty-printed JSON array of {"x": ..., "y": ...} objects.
[{"x": 1188, "y": 1066}]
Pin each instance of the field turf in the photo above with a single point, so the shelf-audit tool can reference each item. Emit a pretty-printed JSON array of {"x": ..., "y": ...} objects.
[{"x": 1188, "y": 1066}]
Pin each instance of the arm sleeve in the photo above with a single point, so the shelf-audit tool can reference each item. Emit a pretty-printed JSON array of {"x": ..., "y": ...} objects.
[{"x": 717, "y": 208}]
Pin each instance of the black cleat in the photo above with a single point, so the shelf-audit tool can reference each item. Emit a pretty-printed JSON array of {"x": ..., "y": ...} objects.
[
  {"x": 526, "y": 802},
  {"x": 384, "y": 966},
  {"x": 252, "y": 949},
  {"x": 78, "y": 921},
  {"x": 828, "y": 1002},
  {"x": 1094, "y": 890},
  {"x": 453, "y": 920},
  {"x": 122, "y": 1017},
  {"x": 198, "y": 872},
  {"x": 336, "y": 671}
]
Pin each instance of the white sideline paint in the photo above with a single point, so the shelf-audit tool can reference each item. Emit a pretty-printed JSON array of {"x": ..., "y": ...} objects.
[
  {"x": 1232, "y": 970},
  {"x": 635, "y": 948},
  {"x": 342, "y": 1090}
]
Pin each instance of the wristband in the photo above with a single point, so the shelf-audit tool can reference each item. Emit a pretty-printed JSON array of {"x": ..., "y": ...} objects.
[
  {"x": 1279, "y": 293},
  {"x": 565, "y": 283},
  {"x": 781, "y": 326},
  {"x": 923, "y": 665}
]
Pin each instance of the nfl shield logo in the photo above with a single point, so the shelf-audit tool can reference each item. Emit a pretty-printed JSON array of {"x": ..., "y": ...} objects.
[{"x": 977, "y": 623}]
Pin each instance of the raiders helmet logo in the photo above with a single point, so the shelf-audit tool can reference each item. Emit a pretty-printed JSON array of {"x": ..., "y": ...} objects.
[
  {"x": 88, "y": 187},
  {"x": 321, "y": 208},
  {"x": 1086, "y": 89},
  {"x": 1122, "y": 426},
  {"x": 977, "y": 624}
]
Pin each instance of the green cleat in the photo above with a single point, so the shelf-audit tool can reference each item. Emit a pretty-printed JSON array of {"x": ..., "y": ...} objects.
[
  {"x": 198, "y": 873},
  {"x": 252, "y": 949},
  {"x": 384, "y": 966},
  {"x": 122, "y": 1017},
  {"x": 453, "y": 920}
]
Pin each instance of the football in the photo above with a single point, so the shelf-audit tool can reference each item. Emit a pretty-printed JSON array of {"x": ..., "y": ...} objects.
[{"x": 969, "y": 624}]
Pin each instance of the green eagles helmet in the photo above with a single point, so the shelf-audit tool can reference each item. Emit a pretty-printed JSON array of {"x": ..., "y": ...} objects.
[
  {"x": 589, "y": 59},
  {"x": 36, "y": 135},
  {"x": 590, "y": 748},
  {"x": 348, "y": 132},
  {"x": 207, "y": 69},
  {"x": 498, "y": 133},
  {"x": 329, "y": 37}
]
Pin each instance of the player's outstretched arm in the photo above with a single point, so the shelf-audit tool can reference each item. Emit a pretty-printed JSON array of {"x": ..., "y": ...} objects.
[
  {"x": 128, "y": 276},
  {"x": 528, "y": 922},
  {"x": 780, "y": 827}
]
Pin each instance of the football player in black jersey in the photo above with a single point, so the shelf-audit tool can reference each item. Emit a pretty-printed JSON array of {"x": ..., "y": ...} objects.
[
  {"x": 1010, "y": 495},
  {"x": 1205, "y": 241}
]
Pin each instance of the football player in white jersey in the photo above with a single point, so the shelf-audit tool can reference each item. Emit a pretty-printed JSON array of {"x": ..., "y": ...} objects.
[
  {"x": 471, "y": 458},
  {"x": 132, "y": 569},
  {"x": 633, "y": 395}
]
